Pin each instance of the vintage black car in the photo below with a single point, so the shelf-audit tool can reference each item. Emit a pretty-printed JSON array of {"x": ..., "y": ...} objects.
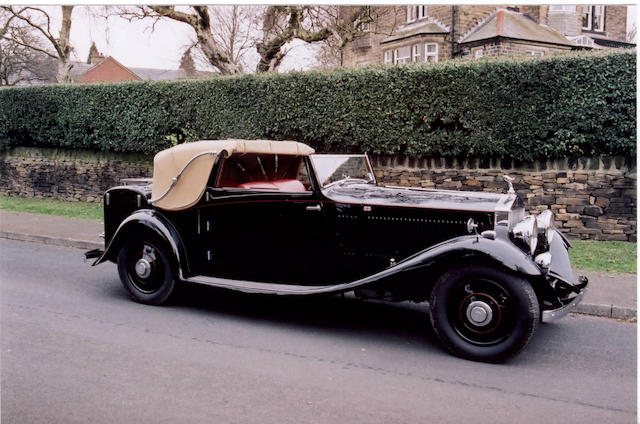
[{"x": 272, "y": 217}]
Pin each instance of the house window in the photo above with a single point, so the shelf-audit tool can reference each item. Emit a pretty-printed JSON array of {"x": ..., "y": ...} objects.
[
  {"x": 562, "y": 8},
  {"x": 431, "y": 52},
  {"x": 479, "y": 53},
  {"x": 415, "y": 13},
  {"x": 582, "y": 40},
  {"x": 388, "y": 57},
  {"x": 416, "y": 52},
  {"x": 402, "y": 55},
  {"x": 593, "y": 18},
  {"x": 535, "y": 52}
]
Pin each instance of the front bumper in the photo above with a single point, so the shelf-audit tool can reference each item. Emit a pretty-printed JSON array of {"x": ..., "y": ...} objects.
[{"x": 555, "y": 314}]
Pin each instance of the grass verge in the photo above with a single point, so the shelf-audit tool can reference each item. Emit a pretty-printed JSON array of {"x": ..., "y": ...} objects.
[
  {"x": 52, "y": 207},
  {"x": 604, "y": 256}
]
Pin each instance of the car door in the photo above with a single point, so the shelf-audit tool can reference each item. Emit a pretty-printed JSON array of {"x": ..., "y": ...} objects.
[{"x": 262, "y": 231}]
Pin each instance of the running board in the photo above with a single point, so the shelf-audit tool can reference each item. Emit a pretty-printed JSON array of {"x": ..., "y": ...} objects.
[
  {"x": 293, "y": 289},
  {"x": 274, "y": 288}
]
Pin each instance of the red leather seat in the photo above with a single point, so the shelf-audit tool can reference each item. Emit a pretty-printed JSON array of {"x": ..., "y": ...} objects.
[
  {"x": 259, "y": 184},
  {"x": 289, "y": 185},
  {"x": 281, "y": 185}
]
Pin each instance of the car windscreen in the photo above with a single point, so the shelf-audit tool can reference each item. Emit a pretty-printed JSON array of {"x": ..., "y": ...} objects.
[{"x": 331, "y": 169}]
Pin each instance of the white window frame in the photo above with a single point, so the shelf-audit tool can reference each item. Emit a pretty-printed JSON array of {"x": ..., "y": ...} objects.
[
  {"x": 535, "y": 52},
  {"x": 589, "y": 10},
  {"x": 400, "y": 60},
  {"x": 428, "y": 54},
  {"x": 388, "y": 57},
  {"x": 415, "y": 52},
  {"x": 582, "y": 40},
  {"x": 599, "y": 17},
  {"x": 562, "y": 8},
  {"x": 478, "y": 53},
  {"x": 422, "y": 12},
  {"x": 586, "y": 10},
  {"x": 411, "y": 17},
  {"x": 416, "y": 12}
]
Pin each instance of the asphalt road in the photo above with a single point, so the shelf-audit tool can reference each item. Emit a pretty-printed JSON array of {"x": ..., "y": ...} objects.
[{"x": 75, "y": 349}]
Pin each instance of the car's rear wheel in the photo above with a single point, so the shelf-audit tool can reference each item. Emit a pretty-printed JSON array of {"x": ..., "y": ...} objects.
[
  {"x": 483, "y": 314},
  {"x": 146, "y": 271}
]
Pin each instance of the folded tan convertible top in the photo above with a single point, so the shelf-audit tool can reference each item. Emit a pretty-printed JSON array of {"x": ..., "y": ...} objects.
[{"x": 180, "y": 173}]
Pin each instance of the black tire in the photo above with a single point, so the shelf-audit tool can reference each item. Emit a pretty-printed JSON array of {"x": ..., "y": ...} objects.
[
  {"x": 155, "y": 280},
  {"x": 483, "y": 314}
]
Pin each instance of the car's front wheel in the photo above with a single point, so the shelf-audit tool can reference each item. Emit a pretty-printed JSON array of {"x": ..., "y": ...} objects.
[
  {"x": 146, "y": 271},
  {"x": 483, "y": 314}
]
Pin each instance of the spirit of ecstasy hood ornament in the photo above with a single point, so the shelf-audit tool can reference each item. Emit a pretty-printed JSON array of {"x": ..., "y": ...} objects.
[{"x": 509, "y": 181}]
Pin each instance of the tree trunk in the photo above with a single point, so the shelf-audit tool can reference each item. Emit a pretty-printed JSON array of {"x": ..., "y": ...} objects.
[
  {"x": 64, "y": 47},
  {"x": 214, "y": 54}
]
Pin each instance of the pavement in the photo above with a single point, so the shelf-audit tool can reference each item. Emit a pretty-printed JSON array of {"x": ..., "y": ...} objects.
[{"x": 611, "y": 295}]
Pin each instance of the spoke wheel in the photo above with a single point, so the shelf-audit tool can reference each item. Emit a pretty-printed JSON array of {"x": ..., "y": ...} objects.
[
  {"x": 482, "y": 313},
  {"x": 145, "y": 270}
]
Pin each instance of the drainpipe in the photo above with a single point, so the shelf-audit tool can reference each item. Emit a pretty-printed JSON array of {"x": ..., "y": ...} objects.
[{"x": 453, "y": 31}]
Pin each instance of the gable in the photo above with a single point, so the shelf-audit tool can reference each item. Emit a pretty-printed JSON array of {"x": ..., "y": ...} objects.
[{"x": 109, "y": 70}]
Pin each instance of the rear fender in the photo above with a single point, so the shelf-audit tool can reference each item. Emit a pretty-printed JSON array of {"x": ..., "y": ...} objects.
[{"x": 157, "y": 224}]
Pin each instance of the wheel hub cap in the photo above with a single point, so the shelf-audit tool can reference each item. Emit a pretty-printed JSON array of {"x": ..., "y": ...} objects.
[
  {"x": 479, "y": 313},
  {"x": 143, "y": 268}
]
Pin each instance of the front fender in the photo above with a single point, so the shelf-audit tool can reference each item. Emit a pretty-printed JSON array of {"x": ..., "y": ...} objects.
[
  {"x": 458, "y": 250},
  {"x": 496, "y": 250},
  {"x": 156, "y": 223}
]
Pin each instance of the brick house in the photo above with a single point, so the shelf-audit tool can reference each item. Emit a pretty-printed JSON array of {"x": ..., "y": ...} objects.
[
  {"x": 433, "y": 33},
  {"x": 107, "y": 69}
]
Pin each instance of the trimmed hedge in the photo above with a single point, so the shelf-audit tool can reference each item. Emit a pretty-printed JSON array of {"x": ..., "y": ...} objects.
[{"x": 572, "y": 105}]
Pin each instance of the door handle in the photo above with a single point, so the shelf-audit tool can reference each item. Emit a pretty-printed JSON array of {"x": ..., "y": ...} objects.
[{"x": 316, "y": 208}]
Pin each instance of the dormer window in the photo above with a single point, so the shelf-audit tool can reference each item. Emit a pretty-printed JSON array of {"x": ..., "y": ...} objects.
[
  {"x": 415, "y": 13},
  {"x": 593, "y": 18}
]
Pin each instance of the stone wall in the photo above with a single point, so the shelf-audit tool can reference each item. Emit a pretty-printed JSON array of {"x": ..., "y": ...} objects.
[
  {"x": 592, "y": 198},
  {"x": 71, "y": 175}
]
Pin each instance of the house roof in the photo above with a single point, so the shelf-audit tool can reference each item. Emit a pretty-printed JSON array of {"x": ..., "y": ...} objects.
[
  {"x": 426, "y": 28},
  {"x": 152, "y": 74},
  {"x": 508, "y": 24},
  {"x": 159, "y": 74}
]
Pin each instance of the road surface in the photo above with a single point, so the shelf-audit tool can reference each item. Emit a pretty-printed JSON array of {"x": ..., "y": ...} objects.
[{"x": 75, "y": 349}]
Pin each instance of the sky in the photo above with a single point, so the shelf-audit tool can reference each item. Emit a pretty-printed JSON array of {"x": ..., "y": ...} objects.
[{"x": 136, "y": 44}]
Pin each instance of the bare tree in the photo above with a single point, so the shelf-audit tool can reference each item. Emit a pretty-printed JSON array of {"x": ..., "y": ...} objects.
[
  {"x": 20, "y": 64},
  {"x": 631, "y": 34},
  {"x": 39, "y": 20},
  {"x": 283, "y": 24},
  {"x": 236, "y": 28},
  {"x": 380, "y": 20},
  {"x": 223, "y": 33}
]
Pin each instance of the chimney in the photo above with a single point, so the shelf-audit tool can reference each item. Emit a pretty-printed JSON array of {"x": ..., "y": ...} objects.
[{"x": 95, "y": 56}]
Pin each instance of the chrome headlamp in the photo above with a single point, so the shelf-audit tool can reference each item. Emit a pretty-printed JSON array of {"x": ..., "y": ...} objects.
[
  {"x": 545, "y": 224},
  {"x": 527, "y": 229}
]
